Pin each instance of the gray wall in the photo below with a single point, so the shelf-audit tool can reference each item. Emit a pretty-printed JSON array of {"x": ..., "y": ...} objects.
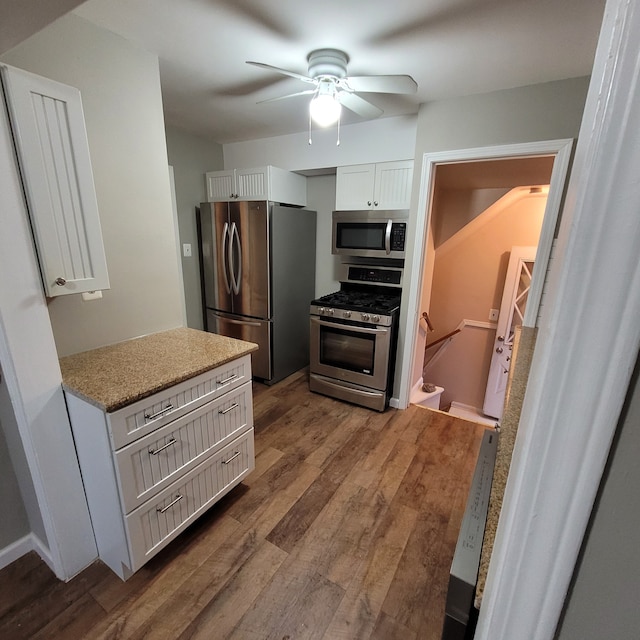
[
  {"x": 321, "y": 197},
  {"x": 191, "y": 156},
  {"x": 120, "y": 87},
  {"x": 14, "y": 523},
  {"x": 526, "y": 114},
  {"x": 603, "y": 602},
  {"x": 547, "y": 111}
]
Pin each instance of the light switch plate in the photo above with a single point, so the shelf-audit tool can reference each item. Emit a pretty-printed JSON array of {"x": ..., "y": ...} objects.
[
  {"x": 493, "y": 314},
  {"x": 186, "y": 250}
]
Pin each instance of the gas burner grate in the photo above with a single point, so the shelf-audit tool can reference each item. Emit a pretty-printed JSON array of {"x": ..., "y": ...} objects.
[{"x": 374, "y": 302}]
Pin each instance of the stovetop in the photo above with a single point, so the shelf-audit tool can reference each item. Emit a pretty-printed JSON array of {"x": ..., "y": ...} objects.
[
  {"x": 371, "y": 300},
  {"x": 368, "y": 294}
]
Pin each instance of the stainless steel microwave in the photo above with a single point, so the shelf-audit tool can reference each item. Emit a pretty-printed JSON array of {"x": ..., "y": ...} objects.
[{"x": 370, "y": 234}]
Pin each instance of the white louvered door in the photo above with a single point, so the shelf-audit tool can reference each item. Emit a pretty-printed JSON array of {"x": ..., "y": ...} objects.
[{"x": 512, "y": 309}]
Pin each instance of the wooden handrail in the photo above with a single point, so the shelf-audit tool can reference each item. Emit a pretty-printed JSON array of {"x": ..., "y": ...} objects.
[
  {"x": 425, "y": 316},
  {"x": 445, "y": 337}
]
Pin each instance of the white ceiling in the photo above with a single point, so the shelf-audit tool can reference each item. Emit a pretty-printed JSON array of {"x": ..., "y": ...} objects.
[{"x": 450, "y": 47}]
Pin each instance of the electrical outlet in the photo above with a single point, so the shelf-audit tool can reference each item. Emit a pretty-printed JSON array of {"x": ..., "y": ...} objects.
[
  {"x": 92, "y": 295},
  {"x": 493, "y": 315},
  {"x": 186, "y": 250}
]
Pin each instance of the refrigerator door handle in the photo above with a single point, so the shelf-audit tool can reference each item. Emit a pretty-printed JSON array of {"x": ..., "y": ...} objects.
[
  {"x": 235, "y": 238},
  {"x": 249, "y": 323},
  {"x": 225, "y": 260}
]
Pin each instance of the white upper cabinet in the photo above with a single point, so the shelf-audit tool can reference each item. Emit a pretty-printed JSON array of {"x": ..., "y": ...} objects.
[
  {"x": 221, "y": 185},
  {"x": 386, "y": 185},
  {"x": 261, "y": 183},
  {"x": 53, "y": 151}
]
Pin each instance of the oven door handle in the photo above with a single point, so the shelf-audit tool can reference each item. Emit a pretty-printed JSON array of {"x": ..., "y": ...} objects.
[
  {"x": 360, "y": 392},
  {"x": 387, "y": 237},
  {"x": 333, "y": 325}
]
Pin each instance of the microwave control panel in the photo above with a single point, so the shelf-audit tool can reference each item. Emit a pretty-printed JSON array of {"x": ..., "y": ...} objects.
[{"x": 398, "y": 233}]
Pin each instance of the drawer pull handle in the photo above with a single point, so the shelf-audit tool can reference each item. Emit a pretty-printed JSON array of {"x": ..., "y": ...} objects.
[
  {"x": 170, "y": 442},
  {"x": 174, "y": 501},
  {"x": 158, "y": 413},
  {"x": 229, "y": 379},
  {"x": 233, "y": 457},
  {"x": 235, "y": 405}
]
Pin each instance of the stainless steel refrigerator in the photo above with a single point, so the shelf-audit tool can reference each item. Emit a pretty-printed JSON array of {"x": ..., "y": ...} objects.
[{"x": 258, "y": 272}]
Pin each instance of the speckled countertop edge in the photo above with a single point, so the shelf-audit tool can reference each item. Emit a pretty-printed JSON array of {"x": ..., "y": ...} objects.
[
  {"x": 522, "y": 355},
  {"x": 117, "y": 375}
]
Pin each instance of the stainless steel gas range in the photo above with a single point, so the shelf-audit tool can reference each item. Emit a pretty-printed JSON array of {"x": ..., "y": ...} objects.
[{"x": 354, "y": 335}]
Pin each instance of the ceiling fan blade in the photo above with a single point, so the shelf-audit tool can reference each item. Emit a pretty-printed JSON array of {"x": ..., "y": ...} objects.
[
  {"x": 381, "y": 84},
  {"x": 308, "y": 92},
  {"x": 293, "y": 74},
  {"x": 358, "y": 105}
]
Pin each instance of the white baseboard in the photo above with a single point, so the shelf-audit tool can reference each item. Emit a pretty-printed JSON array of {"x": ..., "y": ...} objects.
[
  {"x": 469, "y": 412},
  {"x": 20, "y": 547}
]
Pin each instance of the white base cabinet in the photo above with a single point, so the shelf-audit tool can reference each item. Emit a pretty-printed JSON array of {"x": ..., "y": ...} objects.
[{"x": 145, "y": 485}]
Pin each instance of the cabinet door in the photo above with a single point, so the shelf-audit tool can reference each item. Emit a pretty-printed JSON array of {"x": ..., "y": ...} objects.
[
  {"x": 221, "y": 186},
  {"x": 53, "y": 150},
  {"x": 354, "y": 187},
  {"x": 393, "y": 185},
  {"x": 252, "y": 184}
]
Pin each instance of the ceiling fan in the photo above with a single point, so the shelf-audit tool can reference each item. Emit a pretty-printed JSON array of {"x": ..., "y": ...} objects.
[{"x": 333, "y": 88}]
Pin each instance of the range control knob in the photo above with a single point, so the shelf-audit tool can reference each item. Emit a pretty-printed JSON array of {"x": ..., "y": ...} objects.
[
  {"x": 330, "y": 312},
  {"x": 347, "y": 314},
  {"x": 366, "y": 317},
  {"x": 321, "y": 310},
  {"x": 376, "y": 318}
]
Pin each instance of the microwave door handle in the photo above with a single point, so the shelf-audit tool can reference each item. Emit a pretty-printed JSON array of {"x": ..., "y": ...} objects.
[
  {"x": 235, "y": 239},
  {"x": 225, "y": 257},
  {"x": 387, "y": 237}
]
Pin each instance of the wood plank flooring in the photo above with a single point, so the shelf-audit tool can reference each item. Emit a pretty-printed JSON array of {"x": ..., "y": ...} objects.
[{"x": 345, "y": 530}]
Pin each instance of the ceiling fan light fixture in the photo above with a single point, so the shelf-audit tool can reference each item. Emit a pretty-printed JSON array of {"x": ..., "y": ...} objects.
[{"x": 325, "y": 107}]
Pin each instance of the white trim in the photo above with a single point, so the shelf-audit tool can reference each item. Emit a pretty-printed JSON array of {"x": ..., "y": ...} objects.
[
  {"x": 560, "y": 148},
  {"x": 559, "y": 174},
  {"x": 24, "y": 545},
  {"x": 176, "y": 229},
  {"x": 587, "y": 346}
]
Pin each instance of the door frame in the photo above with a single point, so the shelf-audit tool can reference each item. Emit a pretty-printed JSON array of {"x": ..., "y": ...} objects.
[
  {"x": 581, "y": 370},
  {"x": 561, "y": 149}
]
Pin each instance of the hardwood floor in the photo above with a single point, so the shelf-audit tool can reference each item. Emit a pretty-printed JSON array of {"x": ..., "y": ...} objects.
[{"x": 346, "y": 529}]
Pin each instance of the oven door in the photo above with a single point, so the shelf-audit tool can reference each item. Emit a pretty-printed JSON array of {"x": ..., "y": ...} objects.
[{"x": 349, "y": 352}]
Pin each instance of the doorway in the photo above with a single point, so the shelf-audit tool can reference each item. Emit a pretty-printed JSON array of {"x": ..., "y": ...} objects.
[
  {"x": 478, "y": 162},
  {"x": 480, "y": 210}
]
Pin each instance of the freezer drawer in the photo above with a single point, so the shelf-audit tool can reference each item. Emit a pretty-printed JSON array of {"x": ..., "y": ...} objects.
[
  {"x": 158, "y": 521},
  {"x": 151, "y": 463},
  {"x": 249, "y": 329}
]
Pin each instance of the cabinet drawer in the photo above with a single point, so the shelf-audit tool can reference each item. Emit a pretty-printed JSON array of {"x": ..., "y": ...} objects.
[
  {"x": 158, "y": 521},
  {"x": 142, "y": 417},
  {"x": 153, "y": 462}
]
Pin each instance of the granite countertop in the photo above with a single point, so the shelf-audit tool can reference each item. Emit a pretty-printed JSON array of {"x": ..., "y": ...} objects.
[
  {"x": 117, "y": 375},
  {"x": 516, "y": 388}
]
